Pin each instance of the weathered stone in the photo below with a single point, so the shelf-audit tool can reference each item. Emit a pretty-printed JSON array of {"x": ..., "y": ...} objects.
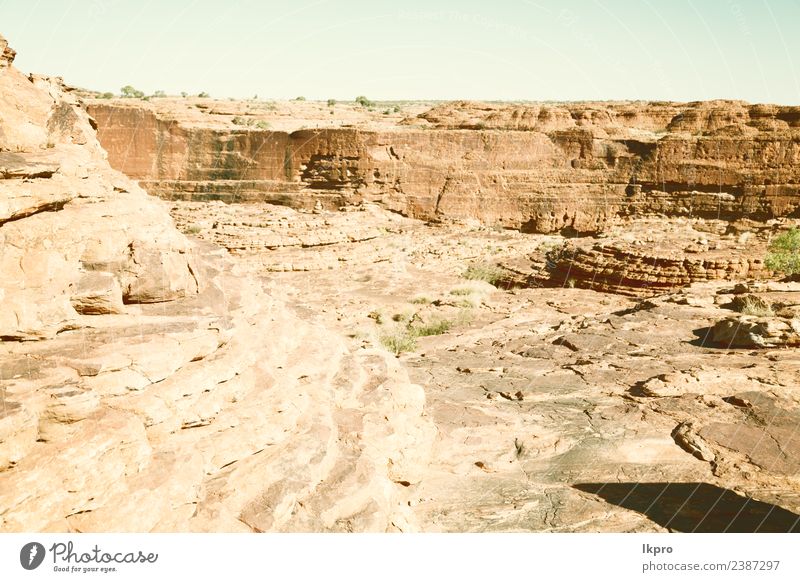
[
  {"x": 746, "y": 331},
  {"x": 98, "y": 293},
  {"x": 576, "y": 167}
]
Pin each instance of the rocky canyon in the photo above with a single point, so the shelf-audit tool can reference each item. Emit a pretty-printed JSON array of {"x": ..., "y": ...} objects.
[{"x": 298, "y": 316}]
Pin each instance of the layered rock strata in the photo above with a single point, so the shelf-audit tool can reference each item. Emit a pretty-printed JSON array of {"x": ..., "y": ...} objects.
[
  {"x": 575, "y": 167},
  {"x": 149, "y": 384},
  {"x": 75, "y": 236}
]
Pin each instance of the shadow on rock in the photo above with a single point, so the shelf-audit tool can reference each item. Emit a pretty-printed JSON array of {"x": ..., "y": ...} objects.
[
  {"x": 696, "y": 507},
  {"x": 703, "y": 339}
]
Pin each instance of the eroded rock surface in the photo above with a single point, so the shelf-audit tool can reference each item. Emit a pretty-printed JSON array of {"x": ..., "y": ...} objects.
[
  {"x": 147, "y": 383},
  {"x": 573, "y": 167},
  {"x": 652, "y": 256},
  {"x": 359, "y": 370},
  {"x": 67, "y": 220},
  {"x": 556, "y": 409}
]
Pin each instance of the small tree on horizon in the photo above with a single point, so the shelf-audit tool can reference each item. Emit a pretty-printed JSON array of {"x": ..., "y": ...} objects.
[
  {"x": 130, "y": 92},
  {"x": 364, "y": 102}
]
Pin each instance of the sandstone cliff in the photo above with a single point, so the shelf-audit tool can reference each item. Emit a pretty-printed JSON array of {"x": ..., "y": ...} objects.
[
  {"x": 574, "y": 167},
  {"x": 147, "y": 383},
  {"x": 75, "y": 236}
]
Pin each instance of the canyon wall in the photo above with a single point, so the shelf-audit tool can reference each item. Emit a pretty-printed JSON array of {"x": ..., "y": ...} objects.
[
  {"x": 148, "y": 383},
  {"x": 574, "y": 168}
]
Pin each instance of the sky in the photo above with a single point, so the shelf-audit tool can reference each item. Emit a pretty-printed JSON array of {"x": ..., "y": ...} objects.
[{"x": 560, "y": 50}]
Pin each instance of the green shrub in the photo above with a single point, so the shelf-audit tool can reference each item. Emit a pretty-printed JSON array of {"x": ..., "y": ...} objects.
[
  {"x": 784, "y": 253},
  {"x": 364, "y": 102},
  {"x": 331, "y": 102},
  {"x": 130, "y": 92},
  {"x": 488, "y": 273},
  {"x": 399, "y": 342},
  {"x": 300, "y": 98},
  {"x": 107, "y": 95},
  {"x": 433, "y": 328},
  {"x": 159, "y": 93},
  {"x": 404, "y": 339},
  {"x": 203, "y": 95},
  {"x": 420, "y": 300},
  {"x": 262, "y": 124}
]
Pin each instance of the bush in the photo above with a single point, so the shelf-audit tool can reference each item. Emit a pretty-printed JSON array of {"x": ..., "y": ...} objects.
[
  {"x": 488, "y": 273},
  {"x": 433, "y": 328},
  {"x": 107, "y": 95},
  {"x": 130, "y": 92},
  {"x": 203, "y": 95},
  {"x": 404, "y": 339},
  {"x": 364, "y": 102},
  {"x": 331, "y": 102},
  {"x": 753, "y": 305},
  {"x": 262, "y": 125},
  {"x": 784, "y": 253},
  {"x": 159, "y": 93},
  {"x": 399, "y": 342},
  {"x": 301, "y": 98}
]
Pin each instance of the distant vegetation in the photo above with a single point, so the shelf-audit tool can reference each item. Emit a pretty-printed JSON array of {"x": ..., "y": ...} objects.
[
  {"x": 249, "y": 122},
  {"x": 159, "y": 93},
  {"x": 364, "y": 102},
  {"x": 203, "y": 95},
  {"x": 106, "y": 95},
  {"x": 301, "y": 98},
  {"x": 130, "y": 92},
  {"x": 784, "y": 253},
  {"x": 331, "y": 102}
]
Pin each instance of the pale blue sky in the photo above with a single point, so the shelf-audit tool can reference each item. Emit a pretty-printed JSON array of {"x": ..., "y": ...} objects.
[{"x": 424, "y": 49}]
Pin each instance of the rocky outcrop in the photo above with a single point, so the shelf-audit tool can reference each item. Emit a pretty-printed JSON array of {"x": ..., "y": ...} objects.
[
  {"x": 67, "y": 219},
  {"x": 7, "y": 54},
  {"x": 745, "y": 331},
  {"x": 576, "y": 167},
  {"x": 149, "y": 384},
  {"x": 650, "y": 257}
]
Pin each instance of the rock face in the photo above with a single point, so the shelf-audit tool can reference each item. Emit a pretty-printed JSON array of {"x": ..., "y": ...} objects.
[
  {"x": 756, "y": 332},
  {"x": 576, "y": 167},
  {"x": 650, "y": 257},
  {"x": 148, "y": 384},
  {"x": 67, "y": 220},
  {"x": 556, "y": 409}
]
